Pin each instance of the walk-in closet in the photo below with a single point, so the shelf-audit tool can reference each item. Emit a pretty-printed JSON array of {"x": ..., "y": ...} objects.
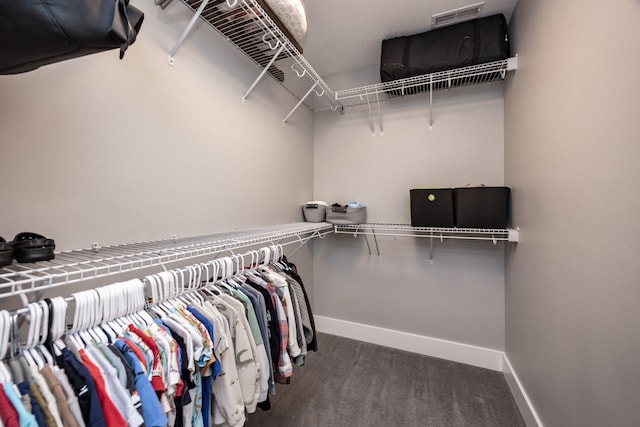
[{"x": 171, "y": 182}]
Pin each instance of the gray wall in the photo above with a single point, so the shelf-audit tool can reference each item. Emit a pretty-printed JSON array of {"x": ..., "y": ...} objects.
[
  {"x": 460, "y": 297},
  {"x": 571, "y": 157},
  {"x": 101, "y": 150}
]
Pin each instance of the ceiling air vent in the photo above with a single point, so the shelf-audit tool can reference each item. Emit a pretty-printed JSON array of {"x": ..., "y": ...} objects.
[{"x": 465, "y": 13}]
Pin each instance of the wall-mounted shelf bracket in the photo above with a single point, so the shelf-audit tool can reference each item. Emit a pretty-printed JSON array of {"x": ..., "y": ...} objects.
[
  {"x": 263, "y": 72},
  {"x": 430, "y": 102},
  {"x": 254, "y": 29},
  {"x": 187, "y": 30},
  {"x": 284, "y": 121},
  {"x": 379, "y": 115},
  {"x": 371, "y": 124},
  {"x": 339, "y": 229}
]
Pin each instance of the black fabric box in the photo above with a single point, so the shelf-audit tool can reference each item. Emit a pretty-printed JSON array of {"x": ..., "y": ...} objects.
[
  {"x": 432, "y": 207},
  {"x": 481, "y": 207},
  {"x": 459, "y": 45}
]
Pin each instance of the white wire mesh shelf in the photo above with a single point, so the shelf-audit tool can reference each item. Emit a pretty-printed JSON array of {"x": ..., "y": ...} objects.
[
  {"x": 434, "y": 233},
  {"x": 475, "y": 74},
  {"x": 384, "y": 229},
  {"x": 249, "y": 27},
  {"x": 84, "y": 264}
]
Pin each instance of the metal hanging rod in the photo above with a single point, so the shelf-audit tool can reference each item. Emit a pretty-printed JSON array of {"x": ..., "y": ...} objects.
[{"x": 84, "y": 264}]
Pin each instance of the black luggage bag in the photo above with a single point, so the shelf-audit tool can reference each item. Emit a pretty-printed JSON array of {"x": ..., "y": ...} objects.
[
  {"x": 460, "y": 45},
  {"x": 40, "y": 32}
]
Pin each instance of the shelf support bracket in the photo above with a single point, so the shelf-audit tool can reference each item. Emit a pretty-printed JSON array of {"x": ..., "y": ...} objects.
[
  {"x": 262, "y": 73},
  {"x": 284, "y": 121},
  {"x": 379, "y": 118},
  {"x": 431, "y": 249},
  {"x": 187, "y": 30},
  {"x": 371, "y": 123},
  {"x": 368, "y": 245},
  {"x": 375, "y": 239},
  {"x": 431, "y": 103}
]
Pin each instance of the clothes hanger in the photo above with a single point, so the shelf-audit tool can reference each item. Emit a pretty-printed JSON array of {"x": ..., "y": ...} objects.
[
  {"x": 27, "y": 349},
  {"x": 209, "y": 287},
  {"x": 5, "y": 329},
  {"x": 117, "y": 309},
  {"x": 156, "y": 305},
  {"x": 58, "y": 323},
  {"x": 44, "y": 334},
  {"x": 106, "y": 295},
  {"x": 195, "y": 273},
  {"x": 204, "y": 267},
  {"x": 141, "y": 302},
  {"x": 171, "y": 280},
  {"x": 94, "y": 316},
  {"x": 185, "y": 286},
  {"x": 85, "y": 316},
  {"x": 133, "y": 303},
  {"x": 267, "y": 255}
]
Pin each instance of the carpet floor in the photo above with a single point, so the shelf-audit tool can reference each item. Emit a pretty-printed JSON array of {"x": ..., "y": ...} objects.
[{"x": 355, "y": 384}]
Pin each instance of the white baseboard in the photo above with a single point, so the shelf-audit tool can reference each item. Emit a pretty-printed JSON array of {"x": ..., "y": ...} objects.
[
  {"x": 527, "y": 409},
  {"x": 434, "y": 347}
]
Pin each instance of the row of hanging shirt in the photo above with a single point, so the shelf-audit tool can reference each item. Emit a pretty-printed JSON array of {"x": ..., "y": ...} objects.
[{"x": 198, "y": 346}]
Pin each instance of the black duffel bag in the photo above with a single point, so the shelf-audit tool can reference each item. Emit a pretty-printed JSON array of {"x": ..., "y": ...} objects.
[
  {"x": 460, "y": 45},
  {"x": 39, "y": 32}
]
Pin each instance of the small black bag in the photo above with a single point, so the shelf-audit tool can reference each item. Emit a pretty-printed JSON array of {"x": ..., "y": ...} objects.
[{"x": 41, "y": 32}]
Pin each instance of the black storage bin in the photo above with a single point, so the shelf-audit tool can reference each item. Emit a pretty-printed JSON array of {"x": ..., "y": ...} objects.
[
  {"x": 481, "y": 207},
  {"x": 432, "y": 207},
  {"x": 459, "y": 45}
]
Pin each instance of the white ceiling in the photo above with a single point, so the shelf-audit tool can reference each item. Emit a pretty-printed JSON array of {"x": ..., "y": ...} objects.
[{"x": 345, "y": 35}]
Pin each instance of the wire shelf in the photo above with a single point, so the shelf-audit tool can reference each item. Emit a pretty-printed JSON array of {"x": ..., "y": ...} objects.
[
  {"x": 392, "y": 229},
  {"x": 438, "y": 233},
  {"x": 475, "y": 74},
  {"x": 84, "y": 264},
  {"x": 250, "y": 28}
]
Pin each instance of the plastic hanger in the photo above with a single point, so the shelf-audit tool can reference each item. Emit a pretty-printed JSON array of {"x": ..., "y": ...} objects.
[
  {"x": 136, "y": 298},
  {"x": 115, "y": 302},
  {"x": 84, "y": 309},
  {"x": 44, "y": 334},
  {"x": 94, "y": 317},
  {"x": 140, "y": 299},
  {"x": 5, "y": 329},
  {"x": 132, "y": 306},
  {"x": 106, "y": 296},
  {"x": 267, "y": 255},
  {"x": 58, "y": 323},
  {"x": 155, "y": 306},
  {"x": 204, "y": 268},
  {"x": 34, "y": 318}
]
